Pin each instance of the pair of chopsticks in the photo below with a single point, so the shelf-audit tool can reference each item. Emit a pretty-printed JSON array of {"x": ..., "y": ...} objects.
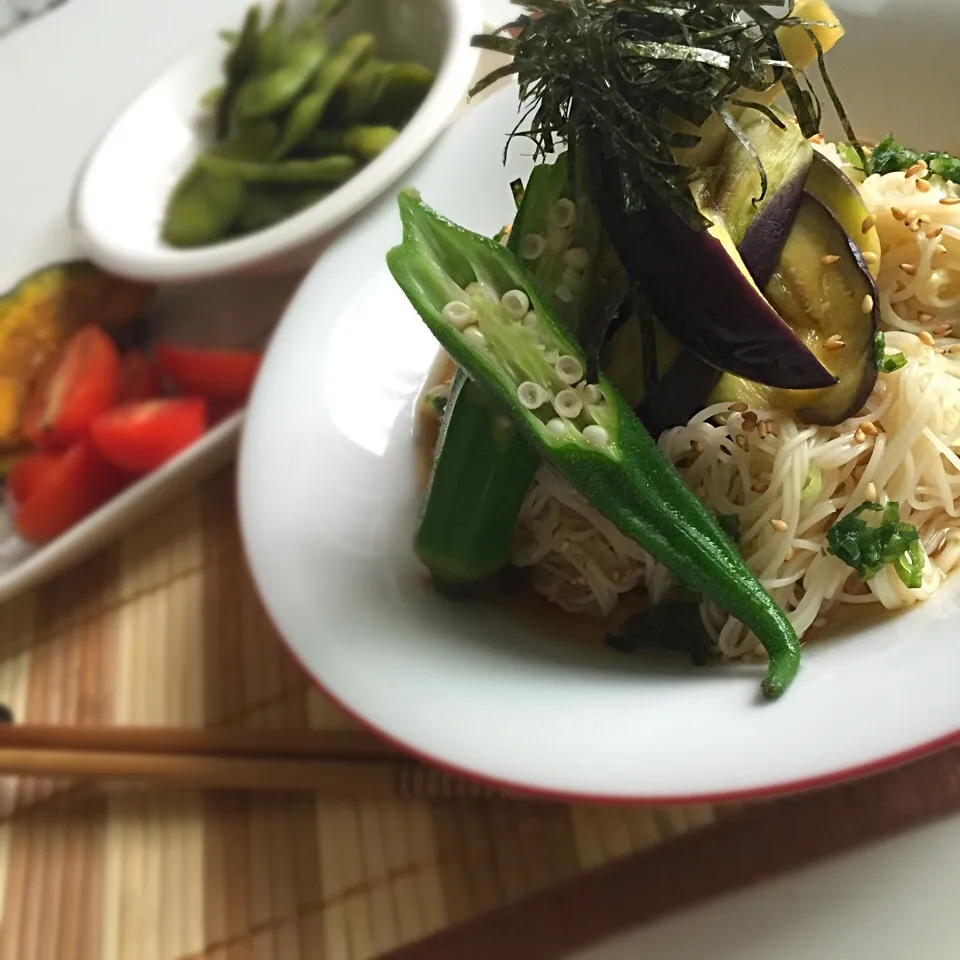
[{"x": 336, "y": 765}]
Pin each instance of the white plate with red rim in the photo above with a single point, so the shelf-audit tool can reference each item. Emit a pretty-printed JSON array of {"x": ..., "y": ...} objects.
[{"x": 328, "y": 498}]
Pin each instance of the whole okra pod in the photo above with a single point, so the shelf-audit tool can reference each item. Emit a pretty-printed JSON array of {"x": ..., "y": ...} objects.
[{"x": 480, "y": 303}]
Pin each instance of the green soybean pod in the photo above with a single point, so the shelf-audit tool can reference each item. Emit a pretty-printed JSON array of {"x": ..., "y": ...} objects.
[
  {"x": 360, "y": 91},
  {"x": 251, "y": 140},
  {"x": 333, "y": 169},
  {"x": 202, "y": 208},
  {"x": 276, "y": 90},
  {"x": 321, "y": 143},
  {"x": 367, "y": 142},
  {"x": 402, "y": 89},
  {"x": 308, "y": 112},
  {"x": 273, "y": 41},
  {"x": 265, "y": 205},
  {"x": 237, "y": 66}
]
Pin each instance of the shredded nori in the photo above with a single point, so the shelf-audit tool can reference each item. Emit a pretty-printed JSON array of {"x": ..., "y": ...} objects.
[{"x": 620, "y": 72}]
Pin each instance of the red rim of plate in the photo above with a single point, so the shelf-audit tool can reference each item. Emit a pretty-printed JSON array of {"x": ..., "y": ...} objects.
[{"x": 603, "y": 799}]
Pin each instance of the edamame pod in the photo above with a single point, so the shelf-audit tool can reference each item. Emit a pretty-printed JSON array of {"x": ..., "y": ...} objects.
[
  {"x": 202, "y": 208},
  {"x": 267, "y": 204},
  {"x": 275, "y": 91},
  {"x": 308, "y": 112},
  {"x": 333, "y": 169},
  {"x": 237, "y": 67},
  {"x": 402, "y": 89},
  {"x": 368, "y": 142},
  {"x": 273, "y": 41},
  {"x": 360, "y": 91}
]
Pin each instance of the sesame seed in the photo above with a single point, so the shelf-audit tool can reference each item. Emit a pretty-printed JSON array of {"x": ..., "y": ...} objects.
[
  {"x": 866, "y": 305},
  {"x": 934, "y": 234},
  {"x": 910, "y": 269},
  {"x": 954, "y": 349},
  {"x": 869, "y": 428},
  {"x": 789, "y": 555},
  {"x": 942, "y": 330},
  {"x": 836, "y": 341},
  {"x": 925, "y": 317},
  {"x": 769, "y": 428},
  {"x": 923, "y": 218},
  {"x": 696, "y": 446},
  {"x": 897, "y": 213},
  {"x": 762, "y": 429},
  {"x": 926, "y": 338},
  {"x": 742, "y": 442},
  {"x": 949, "y": 201},
  {"x": 915, "y": 170},
  {"x": 830, "y": 259},
  {"x": 738, "y": 408},
  {"x": 869, "y": 223},
  {"x": 779, "y": 525},
  {"x": 941, "y": 248},
  {"x": 923, "y": 186},
  {"x": 912, "y": 214},
  {"x": 914, "y": 227},
  {"x": 859, "y": 436},
  {"x": 871, "y": 491},
  {"x": 870, "y": 257},
  {"x": 749, "y": 425}
]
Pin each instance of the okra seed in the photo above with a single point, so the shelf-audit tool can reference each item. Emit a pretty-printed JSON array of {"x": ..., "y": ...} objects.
[
  {"x": 557, "y": 427},
  {"x": 531, "y": 246},
  {"x": 571, "y": 278},
  {"x": 596, "y": 436},
  {"x": 564, "y": 293},
  {"x": 479, "y": 290},
  {"x": 516, "y": 303},
  {"x": 577, "y": 258},
  {"x": 563, "y": 214},
  {"x": 590, "y": 393},
  {"x": 568, "y": 404},
  {"x": 532, "y": 395},
  {"x": 569, "y": 369},
  {"x": 458, "y": 314},
  {"x": 530, "y": 319},
  {"x": 474, "y": 335}
]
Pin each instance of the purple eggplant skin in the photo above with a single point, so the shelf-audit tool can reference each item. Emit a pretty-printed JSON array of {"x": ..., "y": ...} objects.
[
  {"x": 764, "y": 240},
  {"x": 681, "y": 392},
  {"x": 701, "y": 295}
]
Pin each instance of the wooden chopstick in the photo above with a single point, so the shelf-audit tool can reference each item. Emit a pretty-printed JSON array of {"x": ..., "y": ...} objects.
[
  {"x": 340, "y": 765},
  {"x": 205, "y": 741}
]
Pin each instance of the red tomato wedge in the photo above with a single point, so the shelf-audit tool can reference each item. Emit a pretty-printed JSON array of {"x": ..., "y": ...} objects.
[
  {"x": 214, "y": 374},
  {"x": 140, "y": 378},
  {"x": 81, "y": 382},
  {"x": 25, "y": 473},
  {"x": 139, "y": 437},
  {"x": 59, "y": 490}
]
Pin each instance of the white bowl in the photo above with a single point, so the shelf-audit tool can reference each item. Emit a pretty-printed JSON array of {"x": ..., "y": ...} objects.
[
  {"x": 122, "y": 192},
  {"x": 328, "y": 500}
]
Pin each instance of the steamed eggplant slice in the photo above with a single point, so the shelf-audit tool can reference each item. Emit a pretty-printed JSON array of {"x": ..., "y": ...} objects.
[
  {"x": 699, "y": 287},
  {"x": 681, "y": 392},
  {"x": 758, "y": 222},
  {"x": 833, "y": 307},
  {"x": 833, "y": 188}
]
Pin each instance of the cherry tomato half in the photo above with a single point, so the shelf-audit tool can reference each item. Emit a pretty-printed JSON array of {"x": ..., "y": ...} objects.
[
  {"x": 81, "y": 381},
  {"x": 140, "y": 378},
  {"x": 139, "y": 437},
  {"x": 52, "y": 492},
  {"x": 214, "y": 374}
]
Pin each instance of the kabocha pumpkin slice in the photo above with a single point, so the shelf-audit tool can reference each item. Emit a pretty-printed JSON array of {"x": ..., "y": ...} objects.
[{"x": 41, "y": 313}]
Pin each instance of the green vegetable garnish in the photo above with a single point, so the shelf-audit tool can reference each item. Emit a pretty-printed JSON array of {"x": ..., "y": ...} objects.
[
  {"x": 868, "y": 545},
  {"x": 672, "y": 626},
  {"x": 890, "y": 156},
  {"x": 480, "y": 303},
  {"x": 887, "y": 364},
  {"x": 850, "y": 156}
]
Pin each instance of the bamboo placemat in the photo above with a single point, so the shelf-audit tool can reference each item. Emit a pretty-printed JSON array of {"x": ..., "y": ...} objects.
[{"x": 164, "y": 628}]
